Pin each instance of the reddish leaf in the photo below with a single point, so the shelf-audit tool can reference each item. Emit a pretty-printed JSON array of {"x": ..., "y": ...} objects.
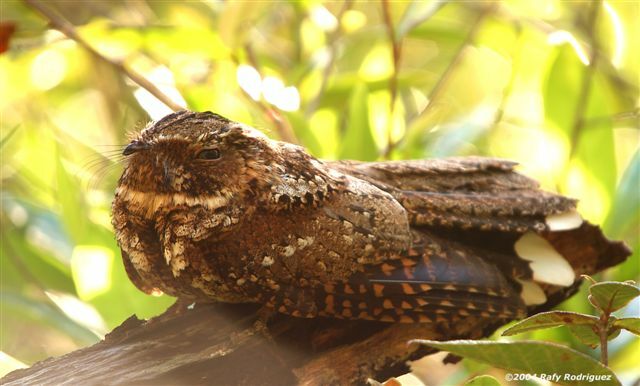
[{"x": 7, "y": 28}]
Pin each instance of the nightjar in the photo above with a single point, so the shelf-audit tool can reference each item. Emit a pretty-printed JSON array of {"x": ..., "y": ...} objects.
[{"x": 212, "y": 210}]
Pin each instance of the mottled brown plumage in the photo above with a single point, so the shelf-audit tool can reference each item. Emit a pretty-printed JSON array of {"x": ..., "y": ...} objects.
[{"x": 211, "y": 210}]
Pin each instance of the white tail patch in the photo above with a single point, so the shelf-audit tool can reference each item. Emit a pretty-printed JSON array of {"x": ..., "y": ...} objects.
[
  {"x": 564, "y": 221},
  {"x": 532, "y": 293},
  {"x": 547, "y": 264}
]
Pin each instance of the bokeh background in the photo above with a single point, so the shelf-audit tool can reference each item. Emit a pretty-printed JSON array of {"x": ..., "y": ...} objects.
[{"x": 551, "y": 84}]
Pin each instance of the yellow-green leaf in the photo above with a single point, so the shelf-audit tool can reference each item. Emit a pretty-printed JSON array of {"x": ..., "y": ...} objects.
[
  {"x": 588, "y": 335},
  {"x": 357, "y": 142},
  {"x": 550, "y": 320},
  {"x": 530, "y": 357},
  {"x": 482, "y": 380},
  {"x": 610, "y": 296},
  {"x": 629, "y": 324}
]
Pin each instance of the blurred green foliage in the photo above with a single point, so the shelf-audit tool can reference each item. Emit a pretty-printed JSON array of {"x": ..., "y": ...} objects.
[{"x": 551, "y": 84}]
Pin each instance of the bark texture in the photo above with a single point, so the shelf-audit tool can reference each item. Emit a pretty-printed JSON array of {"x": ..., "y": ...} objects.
[{"x": 212, "y": 344}]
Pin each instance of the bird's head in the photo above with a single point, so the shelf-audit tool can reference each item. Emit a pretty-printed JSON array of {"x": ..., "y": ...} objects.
[
  {"x": 205, "y": 159},
  {"x": 196, "y": 158}
]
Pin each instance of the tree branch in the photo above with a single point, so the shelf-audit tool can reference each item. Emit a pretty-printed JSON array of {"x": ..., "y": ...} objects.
[
  {"x": 64, "y": 26},
  {"x": 211, "y": 344},
  {"x": 285, "y": 132}
]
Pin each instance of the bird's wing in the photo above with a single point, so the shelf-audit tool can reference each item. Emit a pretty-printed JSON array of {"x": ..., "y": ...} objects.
[
  {"x": 437, "y": 281},
  {"x": 488, "y": 241},
  {"x": 465, "y": 193}
]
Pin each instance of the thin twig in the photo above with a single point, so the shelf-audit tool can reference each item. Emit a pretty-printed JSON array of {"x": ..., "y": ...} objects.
[
  {"x": 395, "y": 38},
  {"x": 587, "y": 80},
  {"x": 617, "y": 117},
  {"x": 285, "y": 132},
  {"x": 619, "y": 82},
  {"x": 439, "y": 86},
  {"x": 508, "y": 90},
  {"x": 332, "y": 39},
  {"x": 396, "y": 46},
  {"x": 437, "y": 89},
  {"x": 64, "y": 26}
]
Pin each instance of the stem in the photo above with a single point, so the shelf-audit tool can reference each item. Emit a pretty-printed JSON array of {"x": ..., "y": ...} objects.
[
  {"x": 396, "y": 46},
  {"x": 332, "y": 42},
  {"x": 64, "y": 26},
  {"x": 285, "y": 132},
  {"x": 436, "y": 91},
  {"x": 603, "y": 330},
  {"x": 508, "y": 90},
  {"x": 587, "y": 80}
]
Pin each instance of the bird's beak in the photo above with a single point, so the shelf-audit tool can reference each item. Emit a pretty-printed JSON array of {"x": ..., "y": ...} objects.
[{"x": 134, "y": 147}]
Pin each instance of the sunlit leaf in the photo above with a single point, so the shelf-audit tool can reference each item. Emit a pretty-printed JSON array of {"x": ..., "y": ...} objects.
[
  {"x": 130, "y": 299},
  {"x": 71, "y": 201},
  {"x": 92, "y": 267},
  {"x": 549, "y": 320},
  {"x": 30, "y": 263},
  {"x": 626, "y": 205},
  {"x": 80, "y": 312},
  {"x": 595, "y": 143},
  {"x": 569, "y": 102},
  {"x": 589, "y": 336},
  {"x": 304, "y": 134},
  {"x": 22, "y": 307},
  {"x": 9, "y": 363},
  {"x": 7, "y": 136},
  {"x": 561, "y": 88},
  {"x": 528, "y": 357},
  {"x": 629, "y": 324},
  {"x": 27, "y": 248},
  {"x": 415, "y": 14},
  {"x": 482, "y": 380},
  {"x": 358, "y": 142},
  {"x": 237, "y": 19},
  {"x": 611, "y": 296}
]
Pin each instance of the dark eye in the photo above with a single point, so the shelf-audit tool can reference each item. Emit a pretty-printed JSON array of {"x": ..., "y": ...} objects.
[{"x": 209, "y": 154}]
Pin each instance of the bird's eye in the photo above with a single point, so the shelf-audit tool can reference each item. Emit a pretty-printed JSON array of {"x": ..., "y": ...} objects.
[{"x": 209, "y": 154}]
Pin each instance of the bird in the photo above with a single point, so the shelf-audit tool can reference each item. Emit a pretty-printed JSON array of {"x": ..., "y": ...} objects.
[{"x": 212, "y": 210}]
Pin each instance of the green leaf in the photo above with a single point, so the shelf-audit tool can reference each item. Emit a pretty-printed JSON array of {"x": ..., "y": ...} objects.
[
  {"x": 482, "y": 380},
  {"x": 588, "y": 335},
  {"x": 550, "y": 320},
  {"x": 4, "y": 139},
  {"x": 416, "y": 13},
  {"x": 236, "y": 18},
  {"x": 302, "y": 131},
  {"x": 9, "y": 363},
  {"x": 530, "y": 357},
  {"x": 629, "y": 324},
  {"x": 358, "y": 142},
  {"x": 22, "y": 307},
  {"x": 561, "y": 88},
  {"x": 593, "y": 150},
  {"x": 610, "y": 296},
  {"x": 71, "y": 200},
  {"x": 116, "y": 285},
  {"x": 595, "y": 147},
  {"x": 626, "y": 205}
]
